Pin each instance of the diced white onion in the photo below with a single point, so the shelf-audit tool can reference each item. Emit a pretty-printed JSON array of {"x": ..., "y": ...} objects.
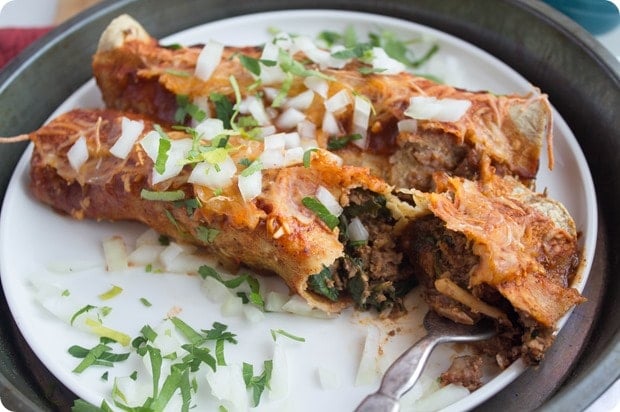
[
  {"x": 228, "y": 386},
  {"x": 208, "y": 59},
  {"x": 300, "y": 102},
  {"x": 167, "y": 340},
  {"x": 274, "y": 142},
  {"x": 329, "y": 201},
  {"x": 145, "y": 254},
  {"x": 73, "y": 266},
  {"x": 272, "y": 159},
  {"x": 407, "y": 126},
  {"x": 329, "y": 378},
  {"x": 291, "y": 140},
  {"x": 257, "y": 110},
  {"x": 150, "y": 144},
  {"x": 267, "y": 130},
  {"x": 50, "y": 296},
  {"x": 270, "y": 51},
  {"x": 294, "y": 156},
  {"x": 148, "y": 237},
  {"x": 210, "y": 128},
  {"x": 338, "y": 101},
  {"x": 368, "y": 369},
  {"x": 283, "y": 40},
  {"x": 361, "y": 117},
  {"x": 308, "y": 144},
  {"x": 318, "y": 85},
  {"x": 232, "y": 306},
  {"x": 115, "y": 253},
  {"x": 250, "y": 186},
  {"x": 202, "y": 102},
  {"x": 130, "y": 392},
  {"x": 330, "y": 125},
  {"x": 431, "y": 108},
  {"x": 206, "y": 174},
  {"x": 290, "y": 118},
  {"x": 78, "y": 153},
  {"x": 130, "y": 131},
  {"x": 278, "y": 386},
  {"x": 275, "y": 300},
  {"x": 357, "y": 231},
  {"x": 306, "y": 129},
  {"x": 333, "y": 158},
  {"x": 270, "y": 93},
  {"x": 387, "y": 65},
  {"x": 322, "y": 57},
  {"x": 215, "y": 290},
  {"x": 189, "y": 263},
  {"x": 299, "y": 306},
  {"x": 441, "y": 398},
  {"x": 170, "y": 253},
  {"x": 253, "y": 314},
  {"x": 177, "y": 153}
]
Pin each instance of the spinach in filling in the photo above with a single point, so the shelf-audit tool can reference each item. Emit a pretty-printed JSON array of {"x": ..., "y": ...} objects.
[{"x": 371, "y": 273}]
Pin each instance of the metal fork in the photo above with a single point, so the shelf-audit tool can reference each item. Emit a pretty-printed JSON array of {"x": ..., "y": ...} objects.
[{"x": 405, "y": 371}]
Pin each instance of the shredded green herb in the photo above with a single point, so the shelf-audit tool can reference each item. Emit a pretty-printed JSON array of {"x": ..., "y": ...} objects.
[
  {"x": 320, "y": 211},
  {"x": 80, "y": 311},
  {"x": 145, "y": 302},
  {"x": 254, "y": 167},
  {"x": 276, "y": 332},
  {"x": 336, "y": 143},
  {"x": 112, "y": 292},
  {"x": 322, "y": 283},
  {"x": 257, "y": 383},
  {"x": 98, "y": 355},
  {"x": 308, "y": 157},
  {"x": 168, "y": 196},
  {"x": 223, "y": 108},
  {"x": 206, "y": 234},
  {"x": 254, "y": 297}
]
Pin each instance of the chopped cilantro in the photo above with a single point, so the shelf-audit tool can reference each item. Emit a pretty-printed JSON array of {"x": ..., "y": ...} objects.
[
  {"x": 206, "y": 234},
  {"x": 112, "y": 292},
  {"x": 223, "y": 108},
  {"x": 250, "y": 63},
  {"x": 185, "y": 108},
  {"x": 322, "y": 283},
  {"x": 320, "y": 211},
  {"x": 145, "y": 302},
  {"x": 80, "y": 311},
  {"x": 330, "y": 37},
  {"x": 190, "y": 205},
  {"x": 254, "y": 297},
  {"x": 162, "y": 154},
  {"x": 254, "y": 167},
  {"x": 257, "y": 383},
  {"x": 99, "y": 355},
  {"x": 337, "y": 143},
  {"x": 308, "y": 157}
]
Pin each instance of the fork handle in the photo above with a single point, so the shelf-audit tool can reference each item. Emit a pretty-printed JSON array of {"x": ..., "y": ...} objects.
[{"x": 400, "y": 377}]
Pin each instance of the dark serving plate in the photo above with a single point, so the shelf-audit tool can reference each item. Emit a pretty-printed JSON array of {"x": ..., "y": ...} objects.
[{"x": 581, "y": 78}]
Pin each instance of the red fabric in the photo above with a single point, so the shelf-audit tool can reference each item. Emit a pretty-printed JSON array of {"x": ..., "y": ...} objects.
[{"x": 14, "y": 40}]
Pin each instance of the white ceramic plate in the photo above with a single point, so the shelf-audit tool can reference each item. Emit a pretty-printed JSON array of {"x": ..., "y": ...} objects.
[{"x": 34, "y": 239}]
